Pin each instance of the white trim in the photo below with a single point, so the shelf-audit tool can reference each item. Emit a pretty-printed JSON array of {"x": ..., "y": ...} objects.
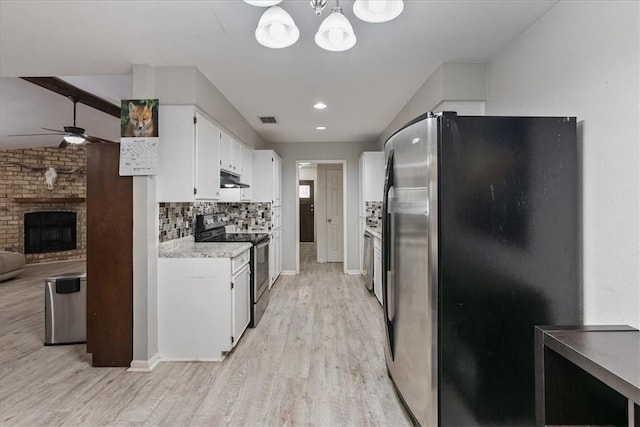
[
  {"x": 144, "y": 365},
  {"x": 288, "y": 273},
  {"x": 354, "y": 272},
  {"x": 344, "y": 210},
  {"x": 187, "y": 359}
]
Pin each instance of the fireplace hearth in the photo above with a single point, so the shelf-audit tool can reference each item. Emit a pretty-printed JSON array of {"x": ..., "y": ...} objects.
[{"x": 49, "y": 231}]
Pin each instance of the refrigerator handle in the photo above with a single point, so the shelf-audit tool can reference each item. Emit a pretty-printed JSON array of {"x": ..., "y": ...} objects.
[{"x": 387, "y": 288}]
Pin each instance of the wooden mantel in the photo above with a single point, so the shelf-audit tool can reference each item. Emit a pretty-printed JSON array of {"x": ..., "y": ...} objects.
[{"x": 49, "y": 199}]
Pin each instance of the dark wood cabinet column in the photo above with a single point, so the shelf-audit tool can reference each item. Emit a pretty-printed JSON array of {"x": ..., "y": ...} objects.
[{"x": 109, "y": 258}]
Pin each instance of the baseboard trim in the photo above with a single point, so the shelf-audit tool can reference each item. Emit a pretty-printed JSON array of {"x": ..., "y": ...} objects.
[
  {"x": 354, "y": 272},
  {"x": 288, "y": 272},
  {"x": 144, "y": 365}
]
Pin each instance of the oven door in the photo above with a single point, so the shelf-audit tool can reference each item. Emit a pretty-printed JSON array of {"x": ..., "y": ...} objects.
[{"x": 261, "y": 260}]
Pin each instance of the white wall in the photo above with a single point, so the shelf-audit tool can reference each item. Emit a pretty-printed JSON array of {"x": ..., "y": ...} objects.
[
  {"x": 186, "y": 85},
  {"x": 581, "y": 59},
  {"x": 462, "y": 83},
  {"x": 349, "y": 151}
]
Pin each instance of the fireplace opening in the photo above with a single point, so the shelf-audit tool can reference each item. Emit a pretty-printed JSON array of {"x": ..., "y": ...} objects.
[{"x": 49, "y": 232}]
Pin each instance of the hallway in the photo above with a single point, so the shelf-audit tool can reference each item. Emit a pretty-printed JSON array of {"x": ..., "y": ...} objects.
[{"x": 315, "y": 359}]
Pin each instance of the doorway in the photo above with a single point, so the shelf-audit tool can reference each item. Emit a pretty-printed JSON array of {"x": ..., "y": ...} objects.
[{"x": 320, "y": 216}]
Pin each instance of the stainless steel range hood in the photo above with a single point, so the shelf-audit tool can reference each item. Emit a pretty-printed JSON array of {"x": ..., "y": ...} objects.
[{"x": 229, "y": 180}]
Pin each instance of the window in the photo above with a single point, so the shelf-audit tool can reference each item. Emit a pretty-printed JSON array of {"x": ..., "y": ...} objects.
[{"x": 304, "y": 191}]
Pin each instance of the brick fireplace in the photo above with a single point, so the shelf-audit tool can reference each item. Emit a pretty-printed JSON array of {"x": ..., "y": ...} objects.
[{"x": 23, "y": 190}]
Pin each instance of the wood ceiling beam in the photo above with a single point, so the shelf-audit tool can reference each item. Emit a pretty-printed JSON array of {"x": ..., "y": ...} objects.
[{"x": 63, "y": 88}]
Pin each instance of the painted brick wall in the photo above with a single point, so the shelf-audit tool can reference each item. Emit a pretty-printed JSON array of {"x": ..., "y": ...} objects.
[{"x": 17, "y": 182}]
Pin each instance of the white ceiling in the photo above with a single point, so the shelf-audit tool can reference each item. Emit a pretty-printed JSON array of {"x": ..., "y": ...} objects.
[{"x": 364, "y": 87}]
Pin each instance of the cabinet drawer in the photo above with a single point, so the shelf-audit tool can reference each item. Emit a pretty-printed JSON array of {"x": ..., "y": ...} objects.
[{"x": 239, "y": 261}]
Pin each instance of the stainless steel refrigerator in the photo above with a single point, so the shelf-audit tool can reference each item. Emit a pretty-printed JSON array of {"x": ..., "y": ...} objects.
[{"x": 480, "y": 243}]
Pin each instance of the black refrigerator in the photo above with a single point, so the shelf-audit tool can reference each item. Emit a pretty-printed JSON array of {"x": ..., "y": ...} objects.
[{"x": 480, "y": 243}]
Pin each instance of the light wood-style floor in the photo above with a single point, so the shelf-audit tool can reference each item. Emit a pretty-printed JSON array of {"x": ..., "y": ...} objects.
[{"x": 315, "y": 359}]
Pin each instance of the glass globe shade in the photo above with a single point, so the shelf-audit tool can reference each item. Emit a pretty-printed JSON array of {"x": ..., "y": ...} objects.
[
  {"x": 335, "y": 33},
  {"x": 73, "y": 139},
  {"x": 377, "y": 11},
  {"x": 276, "y": 29},
  {"x": 263, "y": 3}
]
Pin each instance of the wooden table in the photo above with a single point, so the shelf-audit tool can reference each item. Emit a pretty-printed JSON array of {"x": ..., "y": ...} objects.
[{"x": 587, "y": 375}]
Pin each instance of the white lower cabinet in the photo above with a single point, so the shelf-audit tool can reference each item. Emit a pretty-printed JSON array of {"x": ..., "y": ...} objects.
[
  {"x": 275, "y": 254},
  {"x": 377, "y": 268},
  {"x": 203, "y": 306}
]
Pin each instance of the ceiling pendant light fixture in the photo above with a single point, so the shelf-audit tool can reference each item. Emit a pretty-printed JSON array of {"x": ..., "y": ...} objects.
[
  {"x": 318, "y": 5},
  {"x": 336, "y": 33},
  {"x": 377, "y": 10},
  {"x": 276, "y": 29},
  {"x": 263, "y": 3}
]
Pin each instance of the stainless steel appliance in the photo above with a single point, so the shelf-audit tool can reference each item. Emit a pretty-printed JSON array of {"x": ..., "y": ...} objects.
[
  {"x": 65, "y": 309},
  {"x": 211, "y": 228},
  {"x": 367, "y": 261},
  {"x": 480, "y": 243}
]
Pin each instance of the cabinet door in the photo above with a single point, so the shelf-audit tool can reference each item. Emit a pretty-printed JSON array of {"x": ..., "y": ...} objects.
[
  {"x": 277, "y": 248},
  {"x": 272, "y": 256},
  {"x": 377, "y": 274},
  {"x": 246, "y": 194},
  {"x": 207, "y": 135},
  {"x": 277, "y": 181},
  {"x": 236, "y": 157},
  {"x": 226, "y": 162},
  {"x": 373, "y": 176},
  {"x": 240, "y": 304},
  {"x": 176, "y": 169}
]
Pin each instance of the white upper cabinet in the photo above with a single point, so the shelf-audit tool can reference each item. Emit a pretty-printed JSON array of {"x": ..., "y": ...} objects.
[
  {"x": 230, "y": 154},
  {"x": 267, "y": 177},
  {"x": 246, "y": 194},
  {"x": 371, "y": 178},
  {"x": 188, "y": 156},
  {"x": 207, "y": 154}
]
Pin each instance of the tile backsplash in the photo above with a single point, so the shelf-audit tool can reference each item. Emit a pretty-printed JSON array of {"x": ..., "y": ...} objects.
[
  {"x": 374, "y": 213},
  {"x": 178, "y": 219}
]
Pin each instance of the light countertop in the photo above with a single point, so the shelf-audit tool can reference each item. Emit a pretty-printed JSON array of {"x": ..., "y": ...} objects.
[{"x": 187, "y": 248}]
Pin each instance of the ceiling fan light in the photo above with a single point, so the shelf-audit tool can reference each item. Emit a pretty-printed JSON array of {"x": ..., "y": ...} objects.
[
  {"x": 336, "y": 33},
  {"x": 377, "y": 11},
  {"x": 276, "y": 29},
  {"x": 263, "y": 3},
  {"x": 74, "y": 139}
]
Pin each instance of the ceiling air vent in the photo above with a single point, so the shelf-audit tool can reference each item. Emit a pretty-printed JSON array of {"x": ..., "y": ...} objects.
[{"x": 268, "y": 120}]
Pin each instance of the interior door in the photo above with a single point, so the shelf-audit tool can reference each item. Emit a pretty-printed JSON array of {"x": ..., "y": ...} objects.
[
  {"x": 306, "y": 197},
  {"x": 334, "y": 215}
]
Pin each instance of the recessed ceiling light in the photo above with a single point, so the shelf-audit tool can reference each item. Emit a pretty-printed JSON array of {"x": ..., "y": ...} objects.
[
  {"x": 321, "y": 127},
  {"x": 320, "y": 106}
]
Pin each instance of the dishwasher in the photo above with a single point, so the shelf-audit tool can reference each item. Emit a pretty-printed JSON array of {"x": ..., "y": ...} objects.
[{"x": 367, "y": 261}]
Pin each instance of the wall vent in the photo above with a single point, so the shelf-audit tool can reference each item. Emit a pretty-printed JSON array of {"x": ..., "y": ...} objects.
[{"x": 268, "y": 120}]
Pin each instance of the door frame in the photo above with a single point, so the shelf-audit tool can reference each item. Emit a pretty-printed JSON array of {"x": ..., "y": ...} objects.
[{"x": 344, "y": 208}]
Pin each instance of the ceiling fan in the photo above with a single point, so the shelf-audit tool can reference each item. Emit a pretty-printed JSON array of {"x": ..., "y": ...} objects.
[{"x": 72, "y": 134}]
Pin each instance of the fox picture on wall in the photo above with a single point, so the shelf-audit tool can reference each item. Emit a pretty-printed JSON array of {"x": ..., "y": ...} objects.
[{"x": 138, "y": 118}]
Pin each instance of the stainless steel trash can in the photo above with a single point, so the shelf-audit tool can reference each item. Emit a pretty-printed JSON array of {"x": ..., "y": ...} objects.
[{"x": 65, "y": 309}]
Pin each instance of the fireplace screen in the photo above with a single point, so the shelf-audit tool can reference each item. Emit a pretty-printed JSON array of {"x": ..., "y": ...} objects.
[{"x": 49, "y": 232}]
